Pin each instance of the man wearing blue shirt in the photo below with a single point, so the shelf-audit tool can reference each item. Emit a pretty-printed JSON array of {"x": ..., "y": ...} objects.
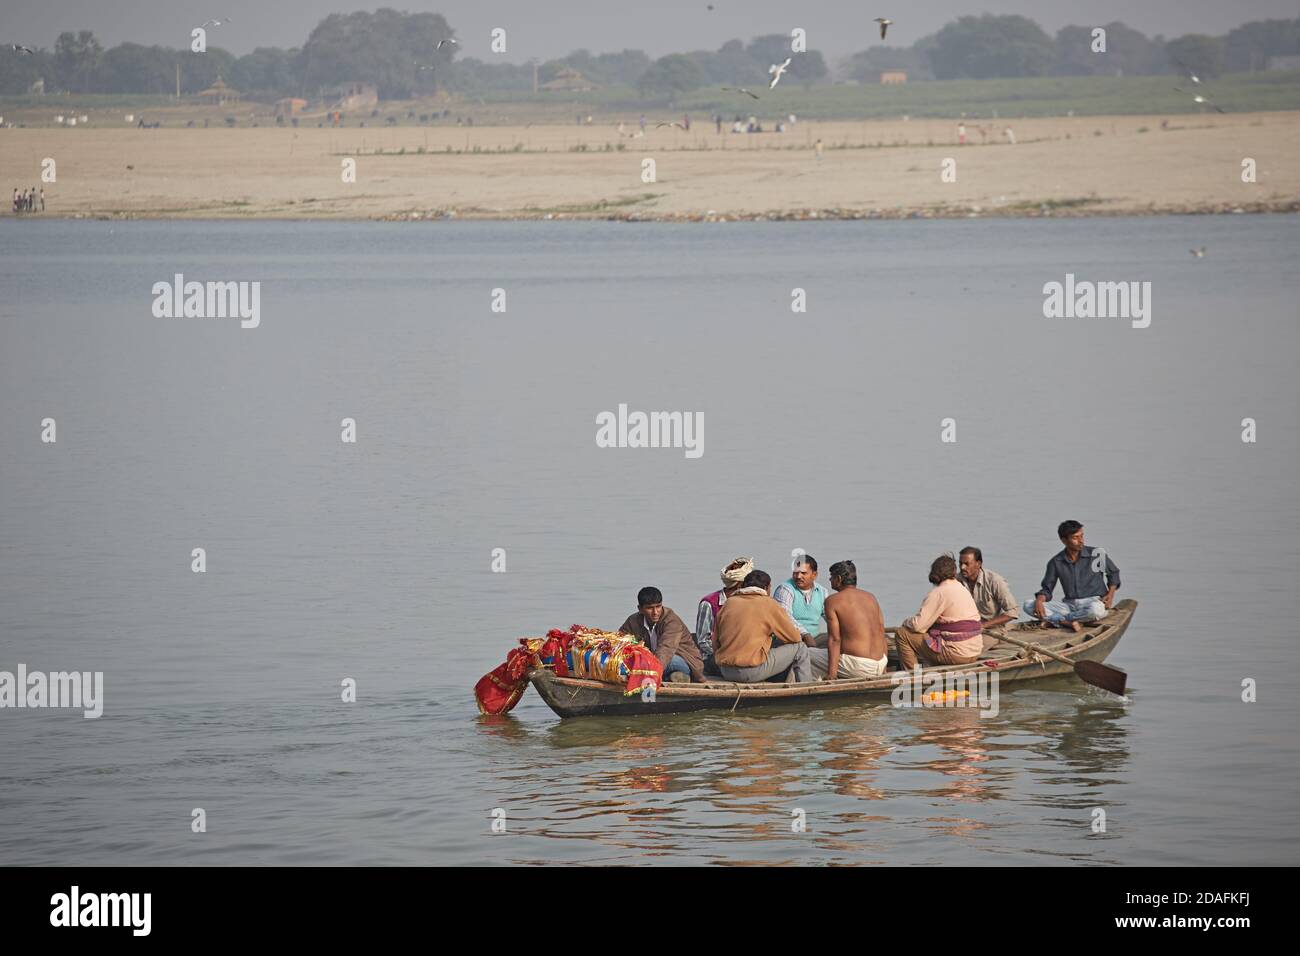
[{"x": 1089, "y": 580}]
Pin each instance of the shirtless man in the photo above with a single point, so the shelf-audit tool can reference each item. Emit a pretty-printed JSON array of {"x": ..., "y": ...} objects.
[{"x": 856, "y": 645}]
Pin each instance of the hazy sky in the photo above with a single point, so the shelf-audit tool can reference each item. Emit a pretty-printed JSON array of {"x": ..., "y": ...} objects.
[{"x": 551, "y": 28}]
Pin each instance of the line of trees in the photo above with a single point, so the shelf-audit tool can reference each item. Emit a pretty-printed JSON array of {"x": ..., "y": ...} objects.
[
  {"x": 997, "y": 46},
  {"x": 398, "y": 53}
]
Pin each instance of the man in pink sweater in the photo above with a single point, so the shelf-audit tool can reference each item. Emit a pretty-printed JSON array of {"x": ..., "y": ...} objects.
[{"x": 946, "y": 630}]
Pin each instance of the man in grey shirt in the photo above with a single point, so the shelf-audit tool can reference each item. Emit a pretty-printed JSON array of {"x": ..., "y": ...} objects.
[{"x": 997, "y": 605}]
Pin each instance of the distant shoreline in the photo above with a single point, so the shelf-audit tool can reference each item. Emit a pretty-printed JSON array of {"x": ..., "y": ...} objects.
[
  {"x": 1057, "y": 167},
  {"x": 1044, "y": 211}
]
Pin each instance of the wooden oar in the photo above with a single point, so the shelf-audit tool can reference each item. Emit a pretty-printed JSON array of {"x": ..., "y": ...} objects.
[{"x": 1105, "y": 676}]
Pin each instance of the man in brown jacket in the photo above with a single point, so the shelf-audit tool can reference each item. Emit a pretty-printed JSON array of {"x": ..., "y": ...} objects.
[
  {"x": 743, "y": 643},
  {"x": 660, "y": 629}
]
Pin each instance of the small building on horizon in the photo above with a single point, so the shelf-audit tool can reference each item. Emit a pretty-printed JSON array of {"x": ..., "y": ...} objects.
[
  {"x": 289, "y": 106},
  {"x": 218, "y": 94}
]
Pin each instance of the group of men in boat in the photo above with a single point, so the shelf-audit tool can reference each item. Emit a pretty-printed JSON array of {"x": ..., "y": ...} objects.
[{"x": 747, "y": 632}]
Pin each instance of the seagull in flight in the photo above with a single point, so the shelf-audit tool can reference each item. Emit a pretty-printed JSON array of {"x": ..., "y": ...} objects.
[
  {"x": 19, "y": 48},
  {"x": 1199, "y": 253},
  {"x": 778, "y": 70},
  {"x": 448, "y": 40},
  {"x": 739, "y": 89},
  {"x": 678, "y": 125},
  {"x": 1190, "y": 75},
  {"x": 215, "y": 23},
  {"x": 885, "y": 24},
  {"x": 1198, "y": 98}
]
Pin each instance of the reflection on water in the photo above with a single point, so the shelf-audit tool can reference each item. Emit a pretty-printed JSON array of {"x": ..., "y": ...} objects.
[{"x": 874, "y": 783}]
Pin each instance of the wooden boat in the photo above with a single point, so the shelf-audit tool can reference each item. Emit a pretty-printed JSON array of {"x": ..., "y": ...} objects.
[{"x": 571, "y": 697}]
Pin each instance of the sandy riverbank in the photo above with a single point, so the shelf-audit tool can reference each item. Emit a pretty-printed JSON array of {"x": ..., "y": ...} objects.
[{"x": 1062, "y": 166}]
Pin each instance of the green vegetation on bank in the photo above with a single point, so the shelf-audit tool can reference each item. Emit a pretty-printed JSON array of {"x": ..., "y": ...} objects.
[{"x": 940, "y": 99}]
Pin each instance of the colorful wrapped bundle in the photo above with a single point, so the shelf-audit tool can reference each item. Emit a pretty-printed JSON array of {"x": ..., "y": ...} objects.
[
  {"x": 611, "y": 658},
  {"x": 578, "y": 652}
]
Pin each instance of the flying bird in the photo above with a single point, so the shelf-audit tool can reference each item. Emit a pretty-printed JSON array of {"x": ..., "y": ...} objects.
[
  {"x": 215, "y": 23},
  {"x": 885, "y": 24},
  {"x": 678, "y": 125},
  {"x": 19, "y": 48},
  {"x": 739, "y": 89},
  {"x": 1198, "y": 98},
  {"x": 448, "y": 40},
  {"x": 778, "y": 70},
  {"x": 1190, "y": 74},
  {"x": 1199, "y": 253}
]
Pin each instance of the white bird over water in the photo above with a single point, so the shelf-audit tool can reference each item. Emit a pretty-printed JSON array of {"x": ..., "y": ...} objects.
[
  {"x": 19, "y": 48},
  {"x": 778, "y": 70},
  {"x": 1190, "y": 75},
  {"x": 216, "y": 23},
  {"x": 885, "y": 24},
  {"x": 1198, "y": 98},
  {"x": 739, "y": 89},
  {"x": 448, "y": 40}
]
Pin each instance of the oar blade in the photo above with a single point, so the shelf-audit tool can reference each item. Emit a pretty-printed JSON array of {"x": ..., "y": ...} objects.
[{"x": 1105, "y": 676}]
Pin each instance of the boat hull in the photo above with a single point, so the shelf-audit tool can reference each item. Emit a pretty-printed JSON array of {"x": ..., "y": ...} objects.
[{"x": 570, "y": 697}]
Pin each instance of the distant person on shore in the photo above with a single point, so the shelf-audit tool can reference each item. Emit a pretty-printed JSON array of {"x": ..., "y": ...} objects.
[
  {"x": 804, "y": 600},
  {"x": 961, "y": 134},
  {"x": 31, "y": 199},
  {"x": 717, "y": 121},
  {"x": 706, "y": 617},
  {"x": 1011, "y": 135},
  {"x": 993, "y": 597},
  {"x": 15, "y": 200},
  {"x": 686, "y": 122},
  {"x": 42, "y": 199},
  {"x": 818, "y": 148},
  {"x": 856, "y": 645},
  {"x": 661, "y": 630},
  {"x": 946, "y": 630},
  {"x": 643, "y": 122},
  {"x": 1089, "y": 580},
  {"x": 756, "y": 639}
]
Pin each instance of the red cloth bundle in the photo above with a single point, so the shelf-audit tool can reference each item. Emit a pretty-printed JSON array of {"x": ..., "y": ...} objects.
[{"x": 497, "y": 692}]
